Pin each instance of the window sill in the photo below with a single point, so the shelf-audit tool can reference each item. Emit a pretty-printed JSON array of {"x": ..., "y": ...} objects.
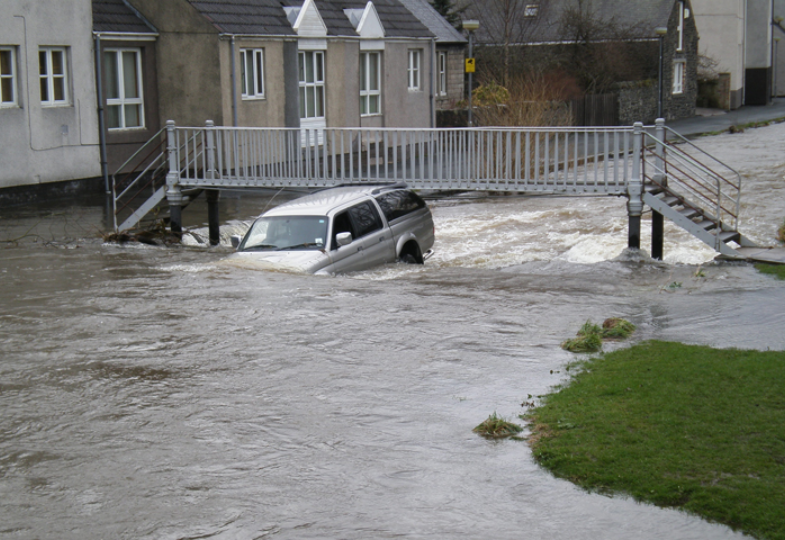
[{"x": 253, "y": 98}]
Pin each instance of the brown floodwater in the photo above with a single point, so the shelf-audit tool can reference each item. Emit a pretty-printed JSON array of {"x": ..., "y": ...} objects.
[{"x": 150, "y": 392}]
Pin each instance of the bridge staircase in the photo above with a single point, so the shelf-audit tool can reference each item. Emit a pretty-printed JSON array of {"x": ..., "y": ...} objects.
[
  {"x": 694, "y": 190},
  {"x": 139, "y": 185}
]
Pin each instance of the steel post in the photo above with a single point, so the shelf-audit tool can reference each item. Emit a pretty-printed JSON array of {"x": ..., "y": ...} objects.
[
  {"x": 173, "y": 194},
  {"x": 635, "y": 191},
  {"x": 661, "y": 178},
  {"x": 212, "y": 216}
]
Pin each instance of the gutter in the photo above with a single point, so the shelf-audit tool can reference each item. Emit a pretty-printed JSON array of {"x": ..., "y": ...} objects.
[{"x": 101, "y": 113}]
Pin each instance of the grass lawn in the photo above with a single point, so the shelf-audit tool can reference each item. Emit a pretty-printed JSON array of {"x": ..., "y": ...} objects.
[
  {"x": 676, "y": 425},
  {"x": 776, "y": 270}
]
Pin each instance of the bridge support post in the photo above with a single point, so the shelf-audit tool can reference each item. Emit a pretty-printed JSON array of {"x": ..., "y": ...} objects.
[
  {"x": 212, "y": 216},
  {"x": 173, "y": 194},
  {"x": 657, "y": 221},
  {"x": 635, "y": 191}
]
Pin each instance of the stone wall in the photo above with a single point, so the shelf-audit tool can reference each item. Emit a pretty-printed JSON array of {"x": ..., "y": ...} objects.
[{"x": 637, "y": 103}]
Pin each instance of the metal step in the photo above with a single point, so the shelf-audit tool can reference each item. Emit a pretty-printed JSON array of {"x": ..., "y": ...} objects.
[
  {"x": 698, "y": 230},
  {"x": 689, "y": 212},
  {"x": 730, "y": 236}
]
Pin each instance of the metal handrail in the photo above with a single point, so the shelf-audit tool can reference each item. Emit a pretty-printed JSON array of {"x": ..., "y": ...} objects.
[
  {"x": 539, "y": 159},
  {"x": 675, "y": 159}
]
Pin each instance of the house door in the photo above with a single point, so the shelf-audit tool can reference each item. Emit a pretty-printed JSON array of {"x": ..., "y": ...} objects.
[{"x": 312, "y": 96}]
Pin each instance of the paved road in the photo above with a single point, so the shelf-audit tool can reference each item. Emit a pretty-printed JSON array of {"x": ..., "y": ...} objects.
[{"x": 717, "y": 121}]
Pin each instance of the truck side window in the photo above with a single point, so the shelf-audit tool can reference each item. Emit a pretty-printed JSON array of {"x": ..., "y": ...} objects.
[
  {"x": 398, "y": 203},
  {"x": 341, "y": 223},
  {"x": 366, "y": 218}
]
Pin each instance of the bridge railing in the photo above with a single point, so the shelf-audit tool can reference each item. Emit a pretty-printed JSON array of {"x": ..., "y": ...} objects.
[{"x": 559, "y": 160}]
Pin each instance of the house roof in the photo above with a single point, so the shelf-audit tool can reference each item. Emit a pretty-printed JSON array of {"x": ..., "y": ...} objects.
[
  {"x": 438, "y": 25},
  {"x": 117, "y": 17},
  {"x": 634, "y": 18},
  {"x": 267, "y": 17}
]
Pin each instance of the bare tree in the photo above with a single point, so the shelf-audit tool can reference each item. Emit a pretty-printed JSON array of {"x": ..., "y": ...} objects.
[
  {"x": 602, "y": 50},
  {"x": 505, "y": 25}
]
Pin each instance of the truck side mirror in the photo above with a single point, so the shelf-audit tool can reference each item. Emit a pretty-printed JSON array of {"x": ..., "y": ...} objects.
[{"x": 343, "y": 238}]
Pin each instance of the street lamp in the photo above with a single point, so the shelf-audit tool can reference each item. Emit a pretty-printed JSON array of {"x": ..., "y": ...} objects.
[
  {"x": 471, "y": 25},
  {"x": 660, "y": 31}
]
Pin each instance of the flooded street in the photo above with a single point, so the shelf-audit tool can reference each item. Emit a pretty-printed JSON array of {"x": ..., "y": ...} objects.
[{"x": 154, "y": 393}]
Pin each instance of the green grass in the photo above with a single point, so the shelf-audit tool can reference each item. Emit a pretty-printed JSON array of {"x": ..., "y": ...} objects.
[
  {"x": 776, "y": 270},
  {"x": 675, "y": 425}
]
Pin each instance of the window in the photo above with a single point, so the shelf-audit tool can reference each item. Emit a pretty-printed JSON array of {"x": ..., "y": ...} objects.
[
  {"x": 442, "y": 67},
  {"x": 124, "y": 104},
  {"x": 398, "y": 203},
  {"x": 531, "y": 10},
  {"x": 414, "y": 70},
  {"x": 52, "y": 74},
  {"x": 7, "y": 77},
  {"x": 311, "y": 84},
  {"x": 252, "y": 73},
  {"x": 678, "y": 76},
  {"x": 680, "y": 29},
  {"x": 370, "y": 83}
]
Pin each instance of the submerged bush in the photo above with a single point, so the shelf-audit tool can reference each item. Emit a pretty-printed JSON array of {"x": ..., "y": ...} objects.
[
  {"x": 496, "y": 427},
  {"x": 590, "y": 335},
  {"x": 616, "y": 328}
]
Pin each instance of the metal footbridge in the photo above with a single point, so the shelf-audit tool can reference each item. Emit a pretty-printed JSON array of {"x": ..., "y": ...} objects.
[{"x": 650, "y": 165}]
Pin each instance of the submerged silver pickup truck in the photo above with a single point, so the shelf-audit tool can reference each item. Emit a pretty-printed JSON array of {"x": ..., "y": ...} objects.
[{"x": 342, "y": 229}]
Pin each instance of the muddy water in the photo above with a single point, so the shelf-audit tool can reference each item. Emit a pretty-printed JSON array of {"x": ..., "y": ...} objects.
[{"x": 163, "y": 393}]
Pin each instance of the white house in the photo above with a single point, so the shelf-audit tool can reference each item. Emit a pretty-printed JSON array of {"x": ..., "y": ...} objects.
[{"x": 48, "y": 115}]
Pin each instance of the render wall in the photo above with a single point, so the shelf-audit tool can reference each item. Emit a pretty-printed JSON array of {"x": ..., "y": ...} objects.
[
  {"x": 188, "y": 59},
  {"x": 123, "y": 143},
  {"x": 402, "y": 107},
  {"x": 778, "y": 59},
  {"x": 269, "y": 111},
  {"x": 40, "y": 144},
  {"x": 721, "y": 28}
]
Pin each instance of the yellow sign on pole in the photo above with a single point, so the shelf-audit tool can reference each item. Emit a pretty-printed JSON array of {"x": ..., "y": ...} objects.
[{"x": 470, "y": 65}]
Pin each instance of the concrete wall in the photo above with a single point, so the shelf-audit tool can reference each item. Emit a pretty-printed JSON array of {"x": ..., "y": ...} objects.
[
  {"x": 48, "y": 144},
  {"x": 722, "y": 29}
]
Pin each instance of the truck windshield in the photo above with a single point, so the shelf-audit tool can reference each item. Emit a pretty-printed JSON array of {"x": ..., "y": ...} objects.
[{"x": 283, "y": 233}]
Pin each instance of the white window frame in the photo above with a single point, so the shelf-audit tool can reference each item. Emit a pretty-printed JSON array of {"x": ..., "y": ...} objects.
[
  {"x": 51, "y": 80},
  {"x": 679, "y": 67},
  {"x": 252, "y": 79},
  {"x": 5, "y": 102},
  {"x": 122, "y": 100},
  {"x": 442, "y": 73},
  {"x": 366, "y": 90},
  {"x": 315, "y": 87},
  {"x": 414, "y": 69},
  {"x": 680, "y": 29}
]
